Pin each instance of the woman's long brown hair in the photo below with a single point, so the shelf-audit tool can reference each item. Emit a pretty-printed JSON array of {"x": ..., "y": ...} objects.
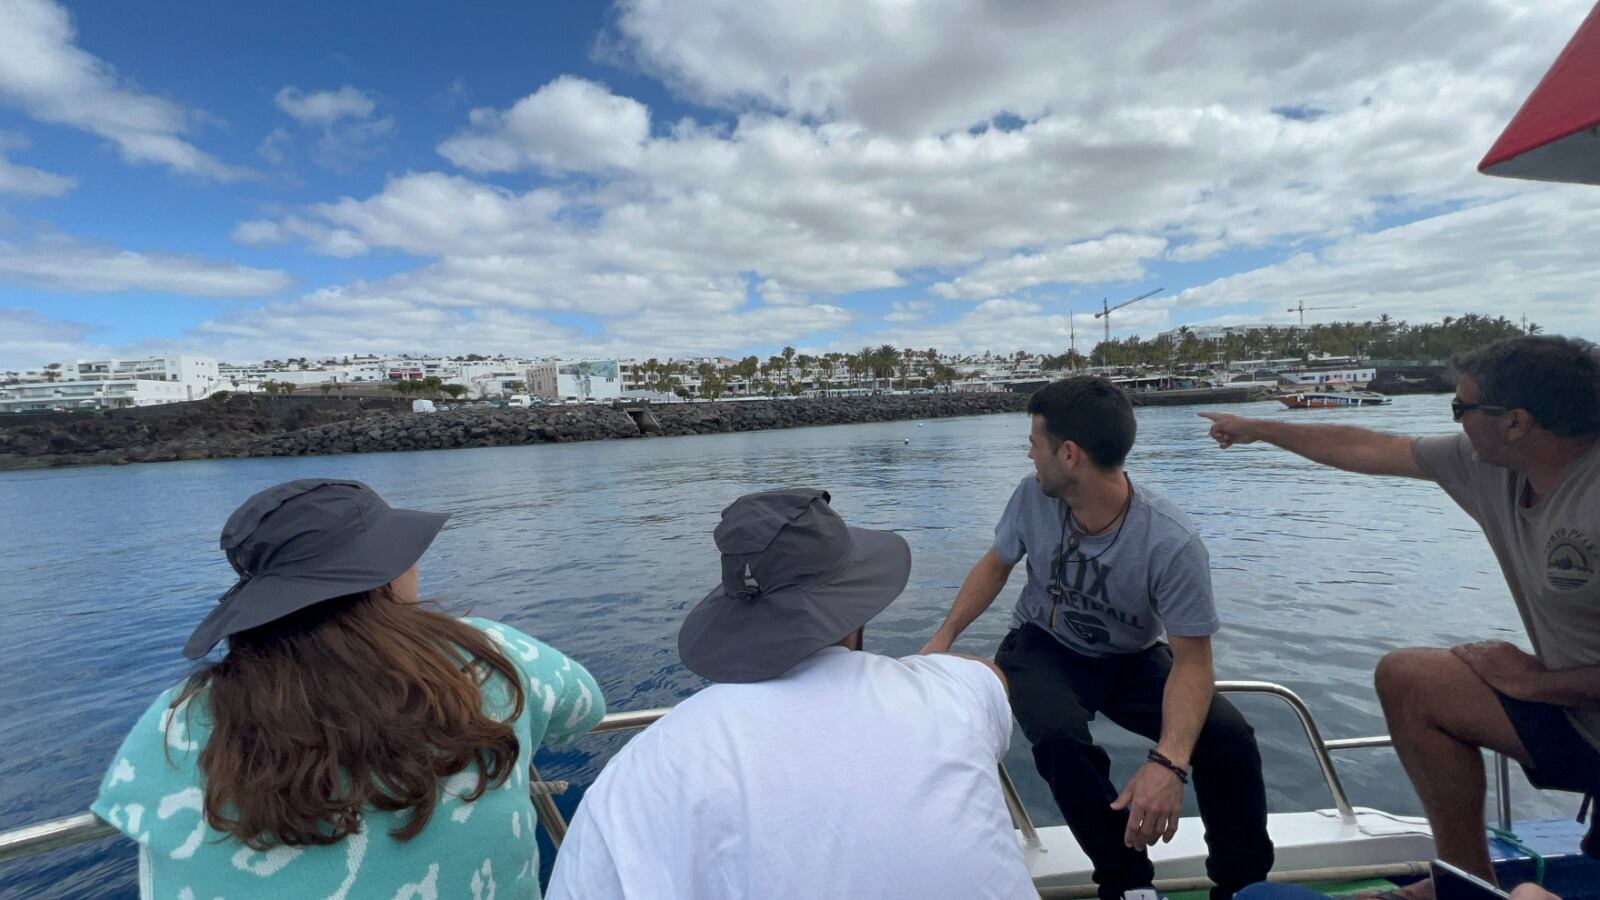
[{"x": 356, "y": 701}]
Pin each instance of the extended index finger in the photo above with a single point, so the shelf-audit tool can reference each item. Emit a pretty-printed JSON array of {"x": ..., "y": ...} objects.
[{"x": 1213, "y": 416}]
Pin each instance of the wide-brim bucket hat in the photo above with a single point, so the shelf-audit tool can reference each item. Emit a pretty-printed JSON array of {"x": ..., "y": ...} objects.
[
  {"x": 305, "y": 542},
  {"x": 796, "y": 579}
]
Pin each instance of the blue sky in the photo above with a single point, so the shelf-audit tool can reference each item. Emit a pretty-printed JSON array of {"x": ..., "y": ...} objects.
[{"x": 719, "y": 177}]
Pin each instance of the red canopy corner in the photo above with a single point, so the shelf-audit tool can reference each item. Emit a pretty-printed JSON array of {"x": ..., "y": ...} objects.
[{"x": 1555, "y": 136}]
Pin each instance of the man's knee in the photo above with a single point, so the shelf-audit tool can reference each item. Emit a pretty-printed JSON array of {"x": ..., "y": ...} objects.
[{"x": 1404, "y": 676}]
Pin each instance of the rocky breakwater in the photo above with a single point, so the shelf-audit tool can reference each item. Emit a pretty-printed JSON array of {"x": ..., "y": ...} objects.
[
  {"x": 245, "y": 427},
  {"x": 205, "y": 429},
  {"x": 464, "y": 427},
  {"x": 479, "y": 427}
]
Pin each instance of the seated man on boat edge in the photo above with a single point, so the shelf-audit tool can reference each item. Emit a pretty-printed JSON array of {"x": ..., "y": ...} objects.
[
  {"x": 1109, "y": 570},
  {"x": 1526, "y": 468},
  {"x": 808, "y": 769}
]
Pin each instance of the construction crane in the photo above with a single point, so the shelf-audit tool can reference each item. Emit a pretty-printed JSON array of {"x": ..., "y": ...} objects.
[
  {"x": 1072, "y": 337},
  {"x": 1106, "y": 312},
  {"x": 1301, "y": 308}
]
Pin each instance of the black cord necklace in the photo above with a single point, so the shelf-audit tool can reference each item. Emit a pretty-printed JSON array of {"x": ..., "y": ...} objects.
[
  {"x": 1071, "y": 543},
  {"x": 1058, "y": 591}
]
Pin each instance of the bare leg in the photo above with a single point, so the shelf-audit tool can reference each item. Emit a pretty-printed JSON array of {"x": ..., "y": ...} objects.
[{"x": 1440, "y": 714}]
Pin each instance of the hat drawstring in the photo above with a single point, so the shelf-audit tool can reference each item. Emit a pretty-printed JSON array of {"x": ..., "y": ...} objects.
[{"x": 244, "y": 579}]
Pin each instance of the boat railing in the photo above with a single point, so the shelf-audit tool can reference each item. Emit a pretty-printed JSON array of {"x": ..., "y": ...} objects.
[{"x": 58, "y": 834}]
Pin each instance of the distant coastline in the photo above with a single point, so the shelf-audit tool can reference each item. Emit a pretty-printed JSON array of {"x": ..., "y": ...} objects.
[{"x": 243, "y": 427}]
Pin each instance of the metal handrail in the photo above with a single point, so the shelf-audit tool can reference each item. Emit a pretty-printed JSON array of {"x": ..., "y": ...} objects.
[
  {"x": 1319, "y": 747},
  {"x": 54, "y": 835},
  {"x": 1502, "y": 771},
  {"x": 72, "y": 830}
]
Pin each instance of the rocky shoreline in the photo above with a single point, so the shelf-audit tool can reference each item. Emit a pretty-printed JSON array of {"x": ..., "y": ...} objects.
[{"x": 242, "y": 427}]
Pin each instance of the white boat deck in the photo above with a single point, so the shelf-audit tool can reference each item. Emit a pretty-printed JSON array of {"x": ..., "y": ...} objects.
[{"x": 1302, "y": 840}]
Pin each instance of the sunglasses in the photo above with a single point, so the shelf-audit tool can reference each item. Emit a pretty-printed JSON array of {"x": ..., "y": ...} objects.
[{"x": 1459, "y": 409}]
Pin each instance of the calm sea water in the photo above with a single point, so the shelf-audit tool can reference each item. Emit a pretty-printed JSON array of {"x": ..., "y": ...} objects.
[{"x": 600, "y": 549}]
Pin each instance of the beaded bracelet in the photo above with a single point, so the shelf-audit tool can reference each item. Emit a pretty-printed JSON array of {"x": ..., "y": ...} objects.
[{"x": 1160, "y": 759}]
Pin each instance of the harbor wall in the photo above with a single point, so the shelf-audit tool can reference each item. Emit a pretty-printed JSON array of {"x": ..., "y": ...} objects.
[{"x": 244, "y": 427}]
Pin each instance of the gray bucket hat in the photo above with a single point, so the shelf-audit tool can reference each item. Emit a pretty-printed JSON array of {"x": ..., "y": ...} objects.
[
  {"x": 306, "y": 541},
  {"x": 795, "y": 579}
]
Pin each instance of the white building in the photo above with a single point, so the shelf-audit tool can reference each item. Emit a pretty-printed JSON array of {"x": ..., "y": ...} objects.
[
  {"x": 1357, "y": 376},
  {"x": 100, "y": 393},
  {"x": 492, "y": 385},
  {"x": 199, "y": 375},
  {"x": 593, "y": 379},
  {"x": 250, "y": 378}
]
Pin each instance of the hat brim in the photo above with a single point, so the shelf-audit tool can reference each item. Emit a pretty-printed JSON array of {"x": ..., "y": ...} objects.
[
  {"x": 380, "y": 555},
  {"x": 729, "y": 639}
]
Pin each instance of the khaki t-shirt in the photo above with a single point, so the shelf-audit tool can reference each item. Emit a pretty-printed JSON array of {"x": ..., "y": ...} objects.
[{"x": 1549, "y": 553}]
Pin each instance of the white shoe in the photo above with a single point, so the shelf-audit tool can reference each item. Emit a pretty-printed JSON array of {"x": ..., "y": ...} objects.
[{"x": 1141, "y": 894}]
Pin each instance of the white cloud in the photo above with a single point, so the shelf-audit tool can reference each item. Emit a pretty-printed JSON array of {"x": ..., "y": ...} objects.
[
  {"x": 942, "y": 65},
  {"x": 1003, "y": 326},
  {"x": 910, "y": 311},
  {"x": 64, "y": 264},
  {"x": 1501, "y": 258},
  {"x": 569, "y": 124},
  {"x": 49, "y": 77},
  {"x": 20, "y": 179},
  {"x": 272, "y": 147},
  {"x": 350, "y": 134},
  {"x": 989, "y": 154},
  {"x": 324, "y": 107},
  {"x": 1118, "y": 257},
  {"x": 31, "y": 340}
]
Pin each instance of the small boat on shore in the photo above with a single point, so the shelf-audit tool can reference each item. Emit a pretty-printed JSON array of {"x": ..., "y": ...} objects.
[{"x": 1322, "y": 399}]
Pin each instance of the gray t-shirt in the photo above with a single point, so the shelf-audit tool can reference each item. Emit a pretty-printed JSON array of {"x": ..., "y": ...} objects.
[
  {"x": 1118, "y": 591},
  {"x": 1549, "y": 554}
]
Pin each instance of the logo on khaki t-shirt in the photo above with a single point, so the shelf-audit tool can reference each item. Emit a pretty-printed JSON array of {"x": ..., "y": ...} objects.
[{"x": 1570, "y": 557}]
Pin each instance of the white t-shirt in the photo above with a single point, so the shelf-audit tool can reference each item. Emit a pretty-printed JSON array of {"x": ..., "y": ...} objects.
[{"x": 852, "y": 775}]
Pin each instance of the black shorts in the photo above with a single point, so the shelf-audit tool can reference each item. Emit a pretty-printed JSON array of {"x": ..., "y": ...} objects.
[{"x": 1562, "y": 759}]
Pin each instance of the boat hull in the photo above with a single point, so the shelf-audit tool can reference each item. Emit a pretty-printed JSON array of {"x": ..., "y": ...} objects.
[{"x": 1333, "y": 400}]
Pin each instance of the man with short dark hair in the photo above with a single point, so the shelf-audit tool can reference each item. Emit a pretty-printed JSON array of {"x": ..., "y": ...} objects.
[
  {"x": 1526, "y": 467},
  {"x": 809, "y": 769},
  {"x": 1111, "y": 568}
]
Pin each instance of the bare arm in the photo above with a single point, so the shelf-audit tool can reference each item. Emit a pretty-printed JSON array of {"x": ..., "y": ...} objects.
[
  {"x": 983, "y": 584},
  {"x": 1154, "y": 795},
  {"x": 1516, "y": 673},
  {"x": 1340, "y": 446},
  {"x": 1187, "y": 699}
]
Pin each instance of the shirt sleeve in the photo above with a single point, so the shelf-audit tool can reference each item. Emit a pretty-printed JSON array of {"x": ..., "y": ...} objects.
[
  {"x": 1008, "y": 543},
  {"x": 562, "y": 687},
  {"x": 980, "y": 690},
  {"x": 1449, "y": 460},
  {"x": 155, "y": 768},
  {"x": 1182, "y": 592}
]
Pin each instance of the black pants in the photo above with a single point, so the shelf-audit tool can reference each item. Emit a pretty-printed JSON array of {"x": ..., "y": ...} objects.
[{"x": 1055, "y": 693}]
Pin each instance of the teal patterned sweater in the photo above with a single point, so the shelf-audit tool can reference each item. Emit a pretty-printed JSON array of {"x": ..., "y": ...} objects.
[{"x": 483, "y": 849}]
